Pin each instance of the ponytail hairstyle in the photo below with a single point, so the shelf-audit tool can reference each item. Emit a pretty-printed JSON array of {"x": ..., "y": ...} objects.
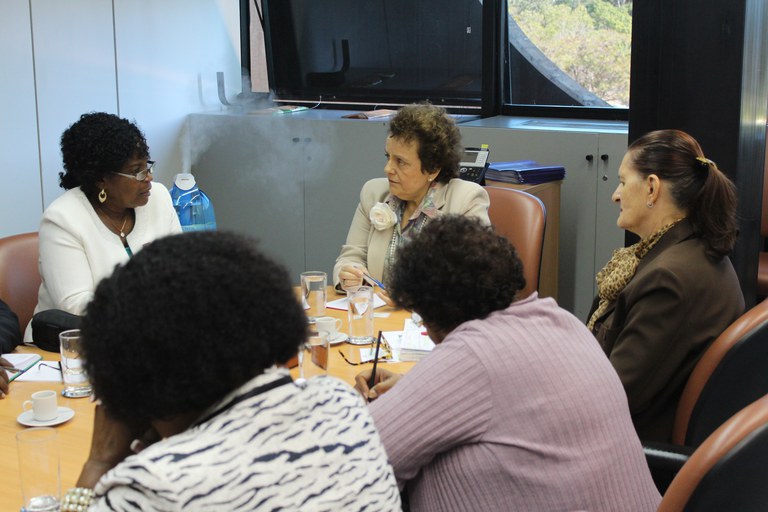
[{"x": 697, "y": 186}]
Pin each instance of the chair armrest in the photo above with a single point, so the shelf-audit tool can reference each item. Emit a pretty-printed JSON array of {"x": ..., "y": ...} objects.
[{"x": 666, "y": 456}]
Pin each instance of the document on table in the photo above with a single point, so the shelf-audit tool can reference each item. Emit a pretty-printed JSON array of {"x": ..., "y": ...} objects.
[
  {"x": 21, "y": 363},
  {"x": 42, "y": 371},
  {"x": 343, "y": 303},
  {"x": 410, "y": 344}
]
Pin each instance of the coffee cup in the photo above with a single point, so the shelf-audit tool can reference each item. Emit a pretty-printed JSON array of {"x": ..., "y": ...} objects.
[
  {"x": 329, "y": 325},
  {"x": 43, "y": 405}
]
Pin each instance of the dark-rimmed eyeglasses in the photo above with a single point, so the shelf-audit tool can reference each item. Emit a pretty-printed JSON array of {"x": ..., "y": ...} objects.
[{"x": 141, "y": 175}]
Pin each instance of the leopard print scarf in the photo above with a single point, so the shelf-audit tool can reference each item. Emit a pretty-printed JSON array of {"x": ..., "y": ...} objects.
[{"x": 617, "y": 273}]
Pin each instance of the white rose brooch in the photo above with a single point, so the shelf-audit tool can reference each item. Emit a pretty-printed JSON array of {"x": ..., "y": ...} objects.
[{"x": 382, "y": 217}]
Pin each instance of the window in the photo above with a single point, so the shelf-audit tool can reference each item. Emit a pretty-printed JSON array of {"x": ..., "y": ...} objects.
[
  {"x": 561, "y": 58},
  {"x": 570, "y": 55}
]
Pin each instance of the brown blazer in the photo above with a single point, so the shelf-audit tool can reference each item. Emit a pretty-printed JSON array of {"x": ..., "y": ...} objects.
[{"x": 677, "y": 303}]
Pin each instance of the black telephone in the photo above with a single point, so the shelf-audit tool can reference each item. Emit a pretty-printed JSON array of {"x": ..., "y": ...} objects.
[{"x": 474, "y": 163}]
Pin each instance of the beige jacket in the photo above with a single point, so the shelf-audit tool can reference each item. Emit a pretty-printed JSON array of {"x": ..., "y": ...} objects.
[{"x": 367, "y": 246}]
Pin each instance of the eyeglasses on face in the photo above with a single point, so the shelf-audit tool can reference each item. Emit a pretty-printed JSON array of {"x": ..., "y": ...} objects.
[{"x": 141, "y": 175}]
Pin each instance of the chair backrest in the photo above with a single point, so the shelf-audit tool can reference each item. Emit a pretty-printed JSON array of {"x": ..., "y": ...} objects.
[
  {"x": 732, "y": 373},
  {"x": 764, "y": 209},
  {"x": 20, "y": 275},
  {"x": 727, "y": 472},
  {"x": 521, "y": 218}
]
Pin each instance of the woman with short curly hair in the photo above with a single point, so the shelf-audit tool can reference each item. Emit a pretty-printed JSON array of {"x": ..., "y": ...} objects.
[
  {"x": 109, "y": 211},
  {"x": 516, "y": 407},
  {"x": 186, "y": 341},
  {"x": 423, "y": 150}
]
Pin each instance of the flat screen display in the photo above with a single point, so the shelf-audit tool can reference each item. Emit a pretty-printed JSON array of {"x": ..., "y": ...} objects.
[{"x": 375, "y": 51}]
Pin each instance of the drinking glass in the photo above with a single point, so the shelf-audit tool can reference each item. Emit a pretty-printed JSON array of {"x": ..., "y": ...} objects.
[
  {"x": 39, "y": 469},
  {"x": 313, "y": 288},
  {"x": 76, "y": 383},
  {"x": 313, "y": 356},
  {"x": 360, "y": 316}
]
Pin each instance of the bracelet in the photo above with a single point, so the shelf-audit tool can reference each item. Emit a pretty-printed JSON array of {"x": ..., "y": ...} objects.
[{"x": 77, "y": 499}]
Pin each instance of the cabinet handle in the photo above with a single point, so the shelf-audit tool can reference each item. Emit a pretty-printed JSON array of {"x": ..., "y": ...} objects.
[
  {"x": 590, "y": 158},
  {"x": 604, "y": 157}
]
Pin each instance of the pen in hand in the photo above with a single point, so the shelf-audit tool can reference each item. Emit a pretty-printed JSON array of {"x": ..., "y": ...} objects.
[
  {"x": 375, "y": 281},
  {"x": 372, "y": 380}
]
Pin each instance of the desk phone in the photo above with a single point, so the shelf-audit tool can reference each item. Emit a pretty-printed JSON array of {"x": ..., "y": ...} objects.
[{"x": 474, "y": 163}]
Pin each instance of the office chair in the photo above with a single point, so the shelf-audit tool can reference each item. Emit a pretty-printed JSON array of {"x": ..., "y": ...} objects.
[
  {"x": 521, "y": 217},
  {"x": 731, "y": 374},
  {"x": 727, "y": 472},
  {"x": 762, "y": 264},
  {"x": 20, "y": 275}
]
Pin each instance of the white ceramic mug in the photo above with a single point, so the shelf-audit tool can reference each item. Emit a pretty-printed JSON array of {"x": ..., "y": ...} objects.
[
  {"x": 329, "y": 325},
  {"x": 43, "y": 405}
]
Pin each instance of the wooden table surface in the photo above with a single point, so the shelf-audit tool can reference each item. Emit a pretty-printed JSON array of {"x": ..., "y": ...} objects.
[{"x": 75, "y": 435}]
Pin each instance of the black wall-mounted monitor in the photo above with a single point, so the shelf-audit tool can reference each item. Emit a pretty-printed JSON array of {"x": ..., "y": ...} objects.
[{"x": 375, "y": 52}]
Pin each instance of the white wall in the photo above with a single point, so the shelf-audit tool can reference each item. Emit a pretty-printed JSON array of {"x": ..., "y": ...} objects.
[{"x": 150, "y": 61}]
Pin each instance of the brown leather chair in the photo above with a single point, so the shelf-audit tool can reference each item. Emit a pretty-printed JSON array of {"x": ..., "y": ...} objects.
[
  {"x": 762, "y": 265},
  {"x": 731, "y": 374},
  {"x": 727, "y": 472},
  {"x": 728, "y": 377},
  {"x": 20, "y": 275},
  {"x": 521, "y": 218}
]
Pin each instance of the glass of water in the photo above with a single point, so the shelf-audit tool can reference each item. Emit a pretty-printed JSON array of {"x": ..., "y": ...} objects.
[
  {"x": 360, "y": 316},
  {"x": 313, "y": 289},
  {"x": 76, "y": 384},
  {"x": 39, "y": 469}
]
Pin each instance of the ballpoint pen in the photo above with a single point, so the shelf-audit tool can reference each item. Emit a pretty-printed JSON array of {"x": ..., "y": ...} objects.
[
  {"x": 372, "y": 380},
  {"x": 375, "y": 281}
]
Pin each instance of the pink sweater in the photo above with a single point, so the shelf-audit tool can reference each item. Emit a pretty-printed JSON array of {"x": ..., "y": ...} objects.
[{"x": 519, "y": 411}]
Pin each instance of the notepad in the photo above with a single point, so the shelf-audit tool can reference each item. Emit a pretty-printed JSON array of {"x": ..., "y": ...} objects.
[
  {"x": 42, "y": 371},
  {"x": 343, "y": 303},
  {"x": 21, "y": 362}
]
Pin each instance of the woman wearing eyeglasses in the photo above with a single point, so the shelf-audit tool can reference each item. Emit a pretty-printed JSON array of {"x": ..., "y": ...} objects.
[{"x": 109, "y": 211}]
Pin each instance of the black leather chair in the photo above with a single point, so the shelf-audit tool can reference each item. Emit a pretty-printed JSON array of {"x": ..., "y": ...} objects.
[{"x": 727, "y": 471}]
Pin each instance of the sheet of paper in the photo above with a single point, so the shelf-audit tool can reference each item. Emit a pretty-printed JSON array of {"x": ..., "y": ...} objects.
[
  {"x": 343, "y": 304},
  {"x": 21, "y": 362},
  {"x": 42, "y": 371}
]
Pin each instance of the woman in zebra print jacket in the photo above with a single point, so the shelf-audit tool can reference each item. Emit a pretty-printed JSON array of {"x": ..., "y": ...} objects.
[{"x": 183, "y": 341}]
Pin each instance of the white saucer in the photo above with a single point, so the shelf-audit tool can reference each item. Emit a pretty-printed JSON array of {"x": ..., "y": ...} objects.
[
  {"x": 27, "y": 418},
  {"x": 340, "y": 337}
]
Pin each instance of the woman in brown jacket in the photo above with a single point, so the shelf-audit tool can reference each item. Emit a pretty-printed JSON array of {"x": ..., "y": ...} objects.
[{"x": 663, "y": 300}]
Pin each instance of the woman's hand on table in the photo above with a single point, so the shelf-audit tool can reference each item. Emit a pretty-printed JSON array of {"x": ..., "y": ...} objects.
[
  {"x": 385, "y": 379},
  {"x": 4, "y": 379},
  {"x": 111, "y": 443}
]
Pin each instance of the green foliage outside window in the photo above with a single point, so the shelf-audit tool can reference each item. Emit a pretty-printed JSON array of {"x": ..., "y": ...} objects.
[{"x": 590, "y": 40}]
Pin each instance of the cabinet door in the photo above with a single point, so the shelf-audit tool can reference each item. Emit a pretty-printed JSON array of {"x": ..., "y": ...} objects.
[{"x": 608, "y": 236}]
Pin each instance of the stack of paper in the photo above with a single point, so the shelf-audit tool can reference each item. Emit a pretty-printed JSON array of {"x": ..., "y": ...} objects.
[
  {"x": 524, "y": 172},
  {"x": 411, "y": 344}
]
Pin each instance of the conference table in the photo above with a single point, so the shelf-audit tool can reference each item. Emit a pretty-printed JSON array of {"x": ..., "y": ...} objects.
[{"x": 75, "y": 435}]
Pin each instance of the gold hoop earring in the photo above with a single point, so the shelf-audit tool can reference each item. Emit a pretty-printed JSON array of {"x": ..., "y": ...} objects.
[{"x": 103, "y": 196}]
